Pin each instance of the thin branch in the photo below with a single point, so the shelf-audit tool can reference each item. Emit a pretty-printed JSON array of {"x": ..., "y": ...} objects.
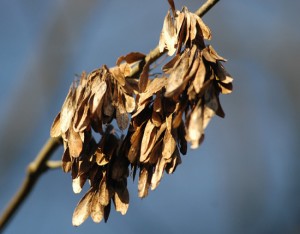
[
  {"x": 156, "y": 54},
  {"x": 206, "y": 7},
  {"x": 54, "y": 164},
  {"x": 34, "y": 170},
  {"x": 41, "y": 163}
]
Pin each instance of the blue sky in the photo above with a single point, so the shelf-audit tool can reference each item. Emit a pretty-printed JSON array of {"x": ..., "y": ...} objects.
[{"x": 244, "y": 177}]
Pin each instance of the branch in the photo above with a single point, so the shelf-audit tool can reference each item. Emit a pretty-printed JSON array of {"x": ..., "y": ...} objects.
[
  {"x": 206, "y": 7},
  {"x": 41, "y": 164},
  {"x": 34, "y": 170},
  {"x": 54, "y": 164},
  {"x": 156, "y": 54}
]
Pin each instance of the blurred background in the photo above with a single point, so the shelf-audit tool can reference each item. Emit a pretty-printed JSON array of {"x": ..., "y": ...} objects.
[{"x": 245, "y": 176}]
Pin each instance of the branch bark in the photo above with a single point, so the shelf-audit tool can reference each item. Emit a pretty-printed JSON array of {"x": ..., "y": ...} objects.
[
  {"x": 41, "y": 164},
  {"x": 34, "y": 170}
]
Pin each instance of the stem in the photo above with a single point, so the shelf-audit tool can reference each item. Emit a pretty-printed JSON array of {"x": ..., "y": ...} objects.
[
  {"x": 206, "y": 7},
  {"x": 34, "y": 170}
]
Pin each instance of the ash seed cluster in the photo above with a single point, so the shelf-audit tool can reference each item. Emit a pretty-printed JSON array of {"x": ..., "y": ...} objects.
[{"x": 160, "y": 116}]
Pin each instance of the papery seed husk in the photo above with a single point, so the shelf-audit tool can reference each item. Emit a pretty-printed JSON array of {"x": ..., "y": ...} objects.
[
  {"x": 104, "y": 196},
  {"x": 97, "y": 210},
  {"x": 74, "y": 142},
  {"x": 55, "y": 128},
  {"x": 199, "y": 77},
  {"x": 195, "y": 126},
  {"x": 168, "y": 37},
  {"x": 205, "y": 30},
  {"x": 122, "y": 117},
  {"x": 144, "y": 183},
  {"x": 144, "y": 77},
  {"x": 106, "y": 212},
  {"x": 98, "y": 95},
  {"x": 82, "y": 210},
  {"x": 67, "y": 110},
  {"x": 176, "y": 160},
  {"x": 169, "y": 146},
  {"x": 66, "y": 161},
  {"x": 193, "y": 28},
  {"x": 176, "y": 77},
  {"x": 148, "y": 140},
  {"x": 131, "y": 57},
  {"x": 121, "y": 200},
  {"x": 76, "y": 185},
  {"x": 158, "y": 173},
  {"x": 129, "y": 103}
]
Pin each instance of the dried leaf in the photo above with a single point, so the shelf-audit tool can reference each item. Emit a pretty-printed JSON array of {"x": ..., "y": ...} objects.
[
  {"x": 148, "y": 141},
  {"x": 156, "y": 152},
  {"x": 154, "y": 86},
  {"x": 177, "y": 75},
  {"x": 193, "y": 28},
  {"x": 108, "y": 108},
  {"x": 55, "y": 128},
  {"x": 76, "y": 185},
  {"x": 195, "y": 127},
  {"x": 129, "y": 103},
  {"x": 144, "y": 182},
  {"x": 122, "y": 117},
  {"x": 135, "y": 145},
  {"x": 157, "y": 104},
  {"x": 97, "y": 210},
  {"x": 81, "y": 120},
  {"x": 168, "y": 66},
  {"x": 169, "y": 122},
  {"x": 82, "y": 210},
  {"x": 120, "y": 166},
  {"x": 144, "y": 78},
  {"x": 156, "y": 119},
  {"x": 101, "y": 159},
  {"x": 98, "y": 93},
  {"x": 169, "y": 146},
  {"x": 188, "y": 24},
  {"x": 67, "y": 110},
  {"x": 199, "y": 77},
  {"x": 131, "y": 58},
  {"x": 180, "y": 23},
  {"x": 214, "y": 54},
  {"x": 121, "y": 200},
  {"x": 66, "y": 161},
  {"x": 106, "y": 212},
  {"x": 74, "y": 142},
  {"x": 168, "y": 37},
  {"x": 176, "y": 160},
  {"x": 104, "y": 196},
  {"x": 202, "y": 26},
  {"x": 118, "y": 74},
  {"x": 158, "y": 173}
]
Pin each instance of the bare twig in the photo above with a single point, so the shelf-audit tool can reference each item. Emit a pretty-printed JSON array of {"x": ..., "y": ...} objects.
[
  {"x": 41, "y": 163},
  {"x": 54, "y": 164},
  {"x": 206, "y": 7},
  {"x": 34, "y": 170},
  {"x": 156, "y": 54}
]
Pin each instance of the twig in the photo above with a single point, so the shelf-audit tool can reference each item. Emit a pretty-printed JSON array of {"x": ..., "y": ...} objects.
[
  {"x": 41, "y": 163},
  {"x": 206, "y": 7},
  {"x": 54, "y": 164},
  {"x": 34, "y": 170},
  {"x": 156, "y": 54}
]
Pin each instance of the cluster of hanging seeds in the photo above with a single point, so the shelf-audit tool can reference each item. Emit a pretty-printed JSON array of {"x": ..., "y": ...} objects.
[{"x": 159, "y": 116}]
